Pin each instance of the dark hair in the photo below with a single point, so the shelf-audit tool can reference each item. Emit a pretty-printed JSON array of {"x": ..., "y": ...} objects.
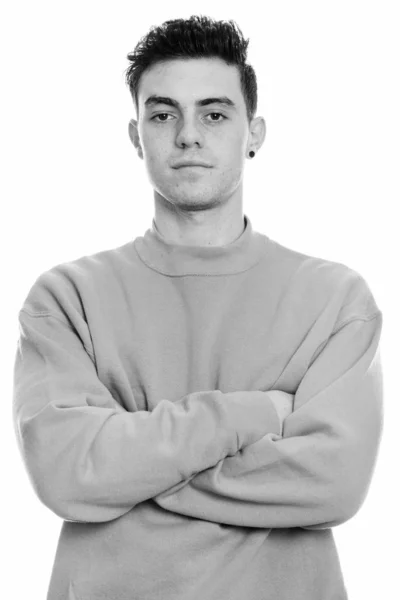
[{"x": 196, "y": 37}]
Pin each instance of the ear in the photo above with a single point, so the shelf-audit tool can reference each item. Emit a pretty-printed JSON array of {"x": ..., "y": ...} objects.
[
  {"x": 134, "y": 136},
  {"x": 258, "y": 131}
]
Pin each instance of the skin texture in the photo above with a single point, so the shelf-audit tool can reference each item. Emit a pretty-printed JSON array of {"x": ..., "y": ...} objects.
[{"x": 195, "y": 206}]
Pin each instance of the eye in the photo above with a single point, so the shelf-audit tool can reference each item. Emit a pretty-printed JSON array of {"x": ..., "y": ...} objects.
[
  {"x": 160, "y": 115},
  {"x": 155, "y": 118},
  {"x": 219, "y": 114}
]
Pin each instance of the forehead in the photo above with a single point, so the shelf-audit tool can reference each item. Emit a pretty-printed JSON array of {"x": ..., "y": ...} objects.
[{"x": 186, "y": 79}]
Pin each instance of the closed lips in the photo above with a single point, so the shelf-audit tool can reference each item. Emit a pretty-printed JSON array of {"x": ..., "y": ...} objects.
[{"x": 191, "y": 164}]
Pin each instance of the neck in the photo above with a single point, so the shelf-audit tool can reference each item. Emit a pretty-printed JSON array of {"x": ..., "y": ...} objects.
[
  {"x": 176, "y": 259},
  {"x": 215, "y": 226}
]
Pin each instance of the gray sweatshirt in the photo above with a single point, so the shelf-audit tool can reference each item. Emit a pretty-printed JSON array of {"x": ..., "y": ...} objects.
[{"x": 144, "y": 411}]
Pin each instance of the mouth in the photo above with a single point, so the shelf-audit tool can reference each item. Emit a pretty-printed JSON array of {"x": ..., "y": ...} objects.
[
  {"x": 192, "y": 171},
  {"x": 192, "y": 165}
]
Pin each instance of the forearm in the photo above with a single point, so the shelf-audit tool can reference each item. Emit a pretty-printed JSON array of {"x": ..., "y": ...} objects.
[
  {"x": 316, "y": 475},
  {"x": 88, "y": 458}
]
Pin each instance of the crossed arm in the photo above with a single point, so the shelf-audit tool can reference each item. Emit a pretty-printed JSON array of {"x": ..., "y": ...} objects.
[
  {"x": 210, "y": 455},
  {"x": 317, "y": 475}
]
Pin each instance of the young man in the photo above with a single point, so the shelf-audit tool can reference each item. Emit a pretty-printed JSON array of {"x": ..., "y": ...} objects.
[{"x": 201, "y": 405}]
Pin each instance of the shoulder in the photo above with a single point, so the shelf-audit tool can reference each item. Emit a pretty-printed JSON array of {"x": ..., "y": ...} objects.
[
  {"x": 327, "y": 283},
  {"x": 66, "y": 285}
]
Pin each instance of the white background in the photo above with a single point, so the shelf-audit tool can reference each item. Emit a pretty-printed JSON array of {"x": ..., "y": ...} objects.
[{"x": 326, "y": 183}]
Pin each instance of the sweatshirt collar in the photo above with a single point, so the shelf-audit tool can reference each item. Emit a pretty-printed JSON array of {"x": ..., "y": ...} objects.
[{"x": 170, "y": 258}]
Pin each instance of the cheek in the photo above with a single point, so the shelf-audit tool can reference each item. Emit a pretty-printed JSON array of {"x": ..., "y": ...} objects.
[
  {"x": 151, "y": 141},
  {"x": 233, "y": 155},
  {"x": 234, "y": 144},
  {"x": 156, "y": 156}
]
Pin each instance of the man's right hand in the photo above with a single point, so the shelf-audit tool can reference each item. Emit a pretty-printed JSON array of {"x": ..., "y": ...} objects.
[{"x": 283, "y": 403}]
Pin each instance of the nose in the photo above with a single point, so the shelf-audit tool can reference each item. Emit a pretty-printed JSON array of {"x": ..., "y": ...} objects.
[{"x": 189, "y": 133}]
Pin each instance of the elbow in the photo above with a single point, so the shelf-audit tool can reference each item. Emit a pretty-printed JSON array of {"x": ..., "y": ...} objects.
[
  {"x": 355, "y": 482},
  {"x": 69, "y": 499},
  {"x": 331, "y": 513},
  {"x": 55, "y": 496},
  {"x": 341, "y": 504},
  {"x": 58, "y": 480},
  {"x": 353, "y": 466}
]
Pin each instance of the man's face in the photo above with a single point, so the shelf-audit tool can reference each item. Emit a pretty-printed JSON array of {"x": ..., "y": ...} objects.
[{"x": 216, "y": 134}]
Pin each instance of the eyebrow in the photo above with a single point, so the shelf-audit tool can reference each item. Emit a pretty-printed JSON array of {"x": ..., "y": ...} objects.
[{"x": 224, "y": 100}]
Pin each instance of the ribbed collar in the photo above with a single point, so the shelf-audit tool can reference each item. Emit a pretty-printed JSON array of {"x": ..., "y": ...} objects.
[{"x": 169, "y": 258}]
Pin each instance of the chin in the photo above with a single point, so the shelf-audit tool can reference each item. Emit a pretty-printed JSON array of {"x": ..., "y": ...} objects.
[
  {"x": 190, "y": 200},
  {"x": 196, "y": 206}
]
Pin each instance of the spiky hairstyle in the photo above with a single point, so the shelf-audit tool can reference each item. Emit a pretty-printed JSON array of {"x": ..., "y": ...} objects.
[{"x": 196, "y": 37}]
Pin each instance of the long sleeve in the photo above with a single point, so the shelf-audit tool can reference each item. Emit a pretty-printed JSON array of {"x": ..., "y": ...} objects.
[
  {"x": 88, "y": 458},
  {"x": 317, "y": 475}
]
